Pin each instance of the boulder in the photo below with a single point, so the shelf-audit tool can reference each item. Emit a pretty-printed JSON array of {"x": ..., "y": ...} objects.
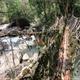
[{"x": 25, "y": 57}]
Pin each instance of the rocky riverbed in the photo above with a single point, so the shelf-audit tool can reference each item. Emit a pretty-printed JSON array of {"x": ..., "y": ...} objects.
[{"x": 9, "y": 66}]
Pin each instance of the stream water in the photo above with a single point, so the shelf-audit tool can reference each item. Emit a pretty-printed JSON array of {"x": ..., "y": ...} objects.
[{"x": 18, "y": 46}]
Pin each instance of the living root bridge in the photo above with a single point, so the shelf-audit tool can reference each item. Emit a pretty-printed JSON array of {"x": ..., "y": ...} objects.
[{"x": 48, "y": 62}]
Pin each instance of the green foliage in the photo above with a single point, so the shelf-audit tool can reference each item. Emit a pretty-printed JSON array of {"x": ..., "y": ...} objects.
[
  {"x": 77, "y": 10},
  {"x": 3, "y": 9},
  {"x": 66, "y": 6},
  {"x": 17, "y": 9},
  {"x": 13, "y": 7},
  {"x": 45, "y": 10},
  {"x": 42, "y": 11}
]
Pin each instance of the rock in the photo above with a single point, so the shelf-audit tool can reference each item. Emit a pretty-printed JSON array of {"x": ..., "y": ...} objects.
[
  {"x": 33, "y": 38},
  {"x": 22, "y": 46},
  {"x": 35, "y": 57},
  {"x": 31, "y": 41},
  {"x": 4, "y": 26},
  {"x": 25, "y": 57}
]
